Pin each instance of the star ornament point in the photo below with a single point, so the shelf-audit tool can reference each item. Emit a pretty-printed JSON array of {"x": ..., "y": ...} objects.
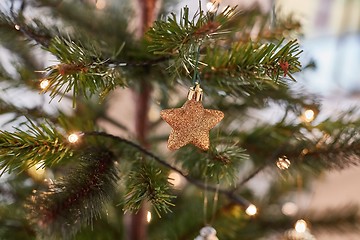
[{"x": 190, "y": 124}]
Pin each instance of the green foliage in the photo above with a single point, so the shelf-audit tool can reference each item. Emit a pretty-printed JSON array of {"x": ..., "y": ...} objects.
[
  {"x": 236, "y": 66},
  {"x": 240, "y": 72},
  {"x": 147, "y": 182},
  {"x": 77, "y": 199},
  {"x": 81, "y": 71},
  {"x": 170, "y": 37},
  {"x": 250, "y": 65},
  {"x": 23, "y": 149},
  {"x": 335, "y": 147},
  {"x": 220, "y": 164}
]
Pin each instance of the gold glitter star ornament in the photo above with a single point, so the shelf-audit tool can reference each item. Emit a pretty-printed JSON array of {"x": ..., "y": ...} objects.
[{"x": 192, "y": 122}]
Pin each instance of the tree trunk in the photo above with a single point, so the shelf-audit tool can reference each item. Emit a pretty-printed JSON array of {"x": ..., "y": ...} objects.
[{"x": 137, "y": 224}]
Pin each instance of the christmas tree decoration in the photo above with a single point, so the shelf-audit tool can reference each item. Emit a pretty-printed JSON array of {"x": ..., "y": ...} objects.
[
  {"x": 207, "y": 233},
  {"x": 117, "y": 182},
  {"x": 283, "y": 163},
  {"x": 251, "y": 210},
  {"x": 300, "y": 232},
  {"x": 192, "y": 122},
  {"x": 73, "y": 138},
  {"x": 309, "y": 113},
  {"x": 44, "y": 84}
]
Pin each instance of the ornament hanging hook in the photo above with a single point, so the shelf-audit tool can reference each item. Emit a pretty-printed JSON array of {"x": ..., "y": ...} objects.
[{"x": 196, "y": 77}]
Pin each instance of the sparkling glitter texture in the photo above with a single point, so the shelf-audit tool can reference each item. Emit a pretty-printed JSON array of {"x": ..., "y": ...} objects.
[{"x": 190, "y": 124}]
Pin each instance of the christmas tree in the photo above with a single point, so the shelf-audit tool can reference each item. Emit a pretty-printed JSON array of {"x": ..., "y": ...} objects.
[{"x": 145, "y": 126}]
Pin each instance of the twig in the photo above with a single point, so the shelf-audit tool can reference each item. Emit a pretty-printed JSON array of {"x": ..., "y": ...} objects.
[
  {"x": 227, "y": 192},
  {"x": 258, "y": 170}
]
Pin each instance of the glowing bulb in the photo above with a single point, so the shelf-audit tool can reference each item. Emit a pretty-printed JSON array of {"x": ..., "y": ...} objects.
[
  {"x": 148, "y": 217},
  {"x": 300, "y": 226},
  {"x": 100, "y": 4},
  {"x": 283, "y": 163},
  {"x": 73, "y": 138},
  {"x": 289, "y": 209},
  {"x": 308, "y": 115},
  {"x": 175, "y": 179},
  {"x": 44, "y": 84},
  {"x": 251, "y": 210},
  {"x": 17, "y": 27}
]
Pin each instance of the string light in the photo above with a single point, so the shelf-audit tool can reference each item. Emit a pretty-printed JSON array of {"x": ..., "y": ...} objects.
[
  {"x": 44, "y": 84},
  {"x": 73, "y": 138},
  {"x": 300, "y": 226},
  {"x": 283, "y": 163},
  {"x": 308, "y": 115},
  {"x": 148, "y": 217},
  {"x": 17, "y": 27},
  {"x": 251, "y": 210}
]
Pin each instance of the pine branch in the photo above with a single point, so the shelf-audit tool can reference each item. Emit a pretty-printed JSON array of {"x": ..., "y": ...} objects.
[
  {"x": 76, "y": 199},
  {"x": 146, "y": 182},
  {"x": 81, "y": 71},
  {"x": 227, "y": 192},
  {"x": 336, "y": 149},
  {"x": 245, "y": 67},
  {"x": 218, "y": 164},
  {"x": 23, "y": 149},
  {"x": 169, "y": 37}
]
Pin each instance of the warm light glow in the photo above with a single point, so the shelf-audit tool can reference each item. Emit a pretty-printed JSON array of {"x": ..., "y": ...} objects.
[
  {"x": 251, "y": 210},
  {"x": 289, "y": 209},
  {"x": 308, "y": 115},
  {"x": 17, "y": 27},
  {"x": 100, "y": 4},
  {"x": 44, "y": 84},
  {"x": 148, "y": 217},
  {"x": 37, "y": 171},
  {"x": 175, "y": 179},
  {"x": 212, "y": 6},
  {"x": 300, "y": 226},
  {"x": 39, "y": 168},
  {"x": 283, "y": 163},
  {"x": 73, "y": 138}
]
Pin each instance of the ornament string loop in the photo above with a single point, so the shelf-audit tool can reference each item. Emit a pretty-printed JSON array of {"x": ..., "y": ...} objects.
[{"x": 196, "y": 77}]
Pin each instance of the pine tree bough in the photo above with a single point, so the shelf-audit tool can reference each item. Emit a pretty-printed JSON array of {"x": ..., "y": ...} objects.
[{"x": 76, "y": 199}]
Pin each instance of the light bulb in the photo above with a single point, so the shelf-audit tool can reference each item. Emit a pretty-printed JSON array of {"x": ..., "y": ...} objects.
[
  {"x": 308, "y": 115},
  {"x": 251, "y": 210},
  {"x": 300, "y": 226},
  {"x": 73, "y": 138},
  {"x": 17, "y": 27},
  {"x": 148, "y": 217},
  {"x": 44, "y": 84},
  {"x": 283, "y": 163}
]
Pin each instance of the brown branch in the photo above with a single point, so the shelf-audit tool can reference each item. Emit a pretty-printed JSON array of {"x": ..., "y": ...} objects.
[{"x": 230, "y": 193}]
